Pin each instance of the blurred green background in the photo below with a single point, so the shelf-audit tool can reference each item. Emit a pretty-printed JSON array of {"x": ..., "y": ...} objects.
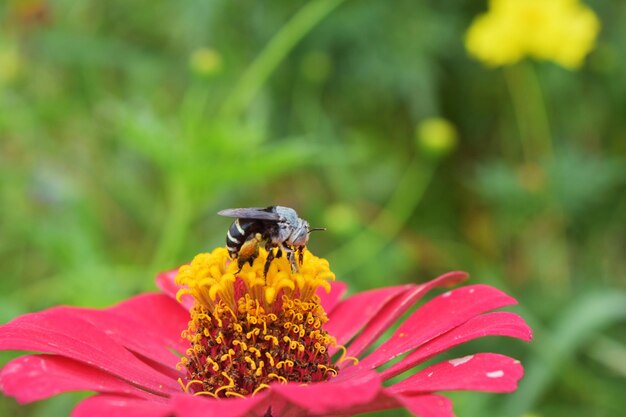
[{"x": 126, "y": 125}]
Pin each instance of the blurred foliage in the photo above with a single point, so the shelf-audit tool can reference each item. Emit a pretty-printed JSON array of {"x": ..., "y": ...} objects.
[{"x": 125, "y": 126}]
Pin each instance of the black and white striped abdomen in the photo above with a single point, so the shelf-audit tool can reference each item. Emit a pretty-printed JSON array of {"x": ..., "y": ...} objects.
[{"x": 237, "y": 235}]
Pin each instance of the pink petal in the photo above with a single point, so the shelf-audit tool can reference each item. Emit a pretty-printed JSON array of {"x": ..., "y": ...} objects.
[
  {"x": 184, "y": 405},
  {"x": 166, "y": 281},
  {"x": 438, "y": 316},
  {"x": 430, "y": 405},
  {"x": 383, "y": 401},
  {"x": 499, "y": 323},
  {"x": 121, "y": 406},
  {"x": 331, "y": 397},
  {"x": 356, "y": 311},
  {"x": 59, "y": 331},
  {"x": 144, "y": 308},
  {"x": 132, "y": 334},
  {"x": 489, "y": 372},
  {"x": 331, "y": 299},
  {"x": 393, "y": 310},
  {"x": 421, "y": 405},
  {"x": 35, "y": 377}
]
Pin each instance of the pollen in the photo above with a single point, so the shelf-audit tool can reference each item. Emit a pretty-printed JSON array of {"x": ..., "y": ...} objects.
[{"x": 248, "y": 331}]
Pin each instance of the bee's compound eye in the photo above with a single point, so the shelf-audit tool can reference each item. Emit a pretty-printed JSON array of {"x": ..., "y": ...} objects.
[{"x": 304, "y": 237}]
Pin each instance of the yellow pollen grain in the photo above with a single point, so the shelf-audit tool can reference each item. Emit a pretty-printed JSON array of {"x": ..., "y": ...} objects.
[
  {"x": 251, "y": 363},
  {"x": 215, "y": 365},
  {"x": 259, "y": 371},
  {"x": 219, "y": 321},
  {"x": 255, "y": 351},
  {"x": 274, "y": 339},
  {"x": 282, "y": 379},
  {"x": 232, "y": 313},
  {"x": 205, "y": 393},
  {"x": 259, "y": 388},
  {"x": 234, "y": 394},
  {"x": 252, "y": 333},
  {"x": 231, "y": 384},
  {"x": 188, "y": 384},
  {"x": 243, "y": 345},
  {"x": 354, "y": 360}
]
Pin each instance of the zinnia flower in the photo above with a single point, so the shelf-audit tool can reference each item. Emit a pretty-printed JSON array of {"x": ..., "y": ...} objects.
[
  {"x": 563, "y": 31},
  {"x": 241, "y": 344}
]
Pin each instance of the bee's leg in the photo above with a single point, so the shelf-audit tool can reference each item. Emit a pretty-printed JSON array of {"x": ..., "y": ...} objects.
[
  {"x": 270, "y": 258},
  {"x": 291, "y": 257},
  {"x": 240, "y": 263},
  {"x": 279, "y": 253},
  {"x": 301, "y": 255}
]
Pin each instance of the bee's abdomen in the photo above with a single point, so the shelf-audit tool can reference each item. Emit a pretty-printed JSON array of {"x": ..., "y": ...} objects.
[{"x": 236, "y": 236}]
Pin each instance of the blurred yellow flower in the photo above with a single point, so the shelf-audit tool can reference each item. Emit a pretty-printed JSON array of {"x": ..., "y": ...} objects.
[
  {"x": 563, "y": 31},
  {"x": 436, "y": 136},
  {"x": 205, "y": 61}
]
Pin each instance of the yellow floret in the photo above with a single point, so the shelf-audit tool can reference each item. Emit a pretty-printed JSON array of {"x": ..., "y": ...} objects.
[{"x": 212, "y": 276}]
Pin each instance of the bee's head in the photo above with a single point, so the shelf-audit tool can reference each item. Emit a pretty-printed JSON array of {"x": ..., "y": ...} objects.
[{"x": 300, "y": 235}]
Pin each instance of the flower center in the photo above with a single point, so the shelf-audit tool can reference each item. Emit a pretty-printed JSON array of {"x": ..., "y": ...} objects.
[{"x": 247, "y": 330}]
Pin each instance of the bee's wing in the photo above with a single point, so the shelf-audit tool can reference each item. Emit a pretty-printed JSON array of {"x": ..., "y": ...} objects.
[{"x": 255, "y": 213}]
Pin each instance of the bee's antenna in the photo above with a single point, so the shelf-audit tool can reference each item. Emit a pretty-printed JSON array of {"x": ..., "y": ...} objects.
[{"x": 317, "y": 228}]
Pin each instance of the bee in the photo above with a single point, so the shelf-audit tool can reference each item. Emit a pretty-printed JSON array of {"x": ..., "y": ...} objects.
[{"x": 275, "y": 226}]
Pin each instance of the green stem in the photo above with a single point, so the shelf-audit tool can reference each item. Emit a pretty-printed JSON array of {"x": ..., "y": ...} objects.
[
  {"x": 535, "y": 134},
  {"x": 530, "y": 112},
  {"x": 276, "y": 50},
  {"x": 518, "y": 101},
  {"x": 539, "y": 111}
]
